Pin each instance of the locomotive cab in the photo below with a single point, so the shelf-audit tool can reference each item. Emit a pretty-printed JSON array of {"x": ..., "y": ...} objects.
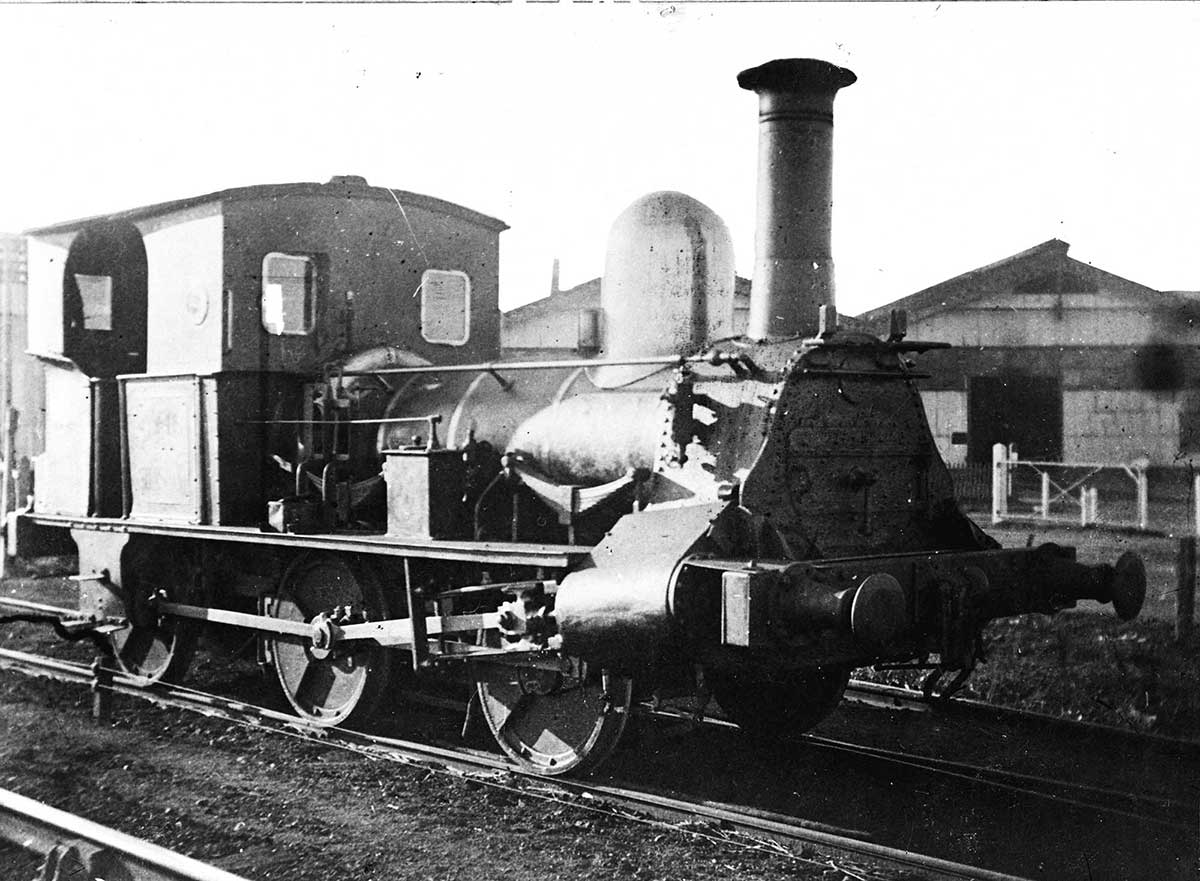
[{"x": 201, "y": 331}]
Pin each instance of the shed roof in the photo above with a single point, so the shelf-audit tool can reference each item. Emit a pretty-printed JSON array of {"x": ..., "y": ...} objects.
[
  {"x": 1007, "y": 274},
  {"x": 346, "y": 186},
  {"x": 583, "y": 296},
  {"x": 586, "y": 295}
]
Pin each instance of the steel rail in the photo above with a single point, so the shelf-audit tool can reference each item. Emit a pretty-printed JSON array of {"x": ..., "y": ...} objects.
[
  {"x": 485, "y": 767},
  {"x": 1064, "y": 792},
  {"x": 73, "y": 845},
  {"x": 895, "y": 697},
  {"x": 1082, "y": 796}
]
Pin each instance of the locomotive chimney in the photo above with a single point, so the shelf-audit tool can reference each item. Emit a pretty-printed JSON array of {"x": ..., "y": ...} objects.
[{"x": 793, "y": 266}]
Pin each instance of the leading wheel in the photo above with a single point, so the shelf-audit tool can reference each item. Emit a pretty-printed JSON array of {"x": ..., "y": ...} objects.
[
  {"x": 553, "y": 722},
  {"x": 150, "y": 647},
  {"x": 777, "y": 704},
  {"x": 343, "y": 685}
]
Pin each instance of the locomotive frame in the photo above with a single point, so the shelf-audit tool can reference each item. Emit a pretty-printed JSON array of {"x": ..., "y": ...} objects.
[{"x": 690, "y": 514}]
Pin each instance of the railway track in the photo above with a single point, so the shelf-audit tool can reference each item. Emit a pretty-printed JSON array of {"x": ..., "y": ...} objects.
[
  {"x": 76, "y": 848},
  {"x": 1158, "y": 810},
  {"x": 704, "y": 817},
  {"x": 894, "y": 697},
  {"x": 739, "y": 826}
]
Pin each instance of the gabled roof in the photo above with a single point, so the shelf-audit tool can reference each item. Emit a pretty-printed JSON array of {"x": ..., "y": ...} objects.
[
  {"x": 347, "y": 186},
  {"x": 586, "y": 295},
  {"x": 1007, "y": 275},
  {"x": 582, "y": 296}
]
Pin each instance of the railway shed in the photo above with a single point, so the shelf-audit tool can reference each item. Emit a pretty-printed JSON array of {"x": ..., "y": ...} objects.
[
  {"x": 1062, "y": 359},
  {"x": 560, "y": 324}
]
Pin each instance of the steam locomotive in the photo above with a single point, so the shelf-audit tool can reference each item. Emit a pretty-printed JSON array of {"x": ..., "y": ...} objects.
[{"x": 282, "y": 409}]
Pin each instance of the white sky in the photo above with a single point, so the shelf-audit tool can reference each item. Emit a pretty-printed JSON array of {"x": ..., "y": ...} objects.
[{"x": 974, "y": 131}]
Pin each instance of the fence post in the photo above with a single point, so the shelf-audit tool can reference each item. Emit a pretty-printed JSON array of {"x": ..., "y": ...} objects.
[
  {"x": 1143, "y": 499},
  {"x": 1093, "y": 505},
  {"x": 101, "y": 691},
  {"x": 999, "y": 483},
  {"x": 1196, "y": 502},
  {"x": 1083, "y": 506},
  {"x": 1185, "y": 595}
]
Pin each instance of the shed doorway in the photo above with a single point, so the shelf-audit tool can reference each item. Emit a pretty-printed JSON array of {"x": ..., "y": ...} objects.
[{"x": 1025, "y": 411}]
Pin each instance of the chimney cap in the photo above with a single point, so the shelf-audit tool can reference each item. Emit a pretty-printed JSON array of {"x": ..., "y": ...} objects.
[{"x": 796, "y": 75}]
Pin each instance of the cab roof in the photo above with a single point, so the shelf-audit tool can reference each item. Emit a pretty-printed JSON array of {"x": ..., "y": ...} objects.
[{"x": 342, "y": 186}]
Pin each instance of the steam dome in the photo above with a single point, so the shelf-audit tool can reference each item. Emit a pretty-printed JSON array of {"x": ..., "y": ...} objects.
[{"x": 668, "y": 281}]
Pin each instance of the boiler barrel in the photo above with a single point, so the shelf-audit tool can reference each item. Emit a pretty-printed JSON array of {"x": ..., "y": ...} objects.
[
  {"x": 571, "y": 431},
  {"x": 594, "y": 438}
]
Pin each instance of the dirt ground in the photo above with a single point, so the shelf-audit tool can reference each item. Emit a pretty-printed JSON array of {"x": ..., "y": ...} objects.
[
  {"x": 271, "y": 809},
  {"x": 267, "y": 807}
]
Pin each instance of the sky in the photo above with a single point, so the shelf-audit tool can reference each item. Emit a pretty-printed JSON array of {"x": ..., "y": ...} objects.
[{"x": 974, "y": 130}]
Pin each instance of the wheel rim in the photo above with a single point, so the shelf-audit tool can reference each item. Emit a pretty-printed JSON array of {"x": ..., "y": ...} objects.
[
  {"x": 338, "y": 687},
  {"x": 150, "y": 653},
  {"x": 151, "y": 648},
  {"x": 552, "y": 723}
]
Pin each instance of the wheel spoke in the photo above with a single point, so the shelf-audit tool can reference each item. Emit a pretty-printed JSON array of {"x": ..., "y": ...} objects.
[
  {"x": 287, "y": 610},
  {"x": 560, "y": 731},
  {"x": 315, "y": 685},
  {"x": 508, "y": 714}
]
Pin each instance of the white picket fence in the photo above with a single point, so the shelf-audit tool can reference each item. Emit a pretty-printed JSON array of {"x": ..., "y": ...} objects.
[{"x": 1068, "y": 483}]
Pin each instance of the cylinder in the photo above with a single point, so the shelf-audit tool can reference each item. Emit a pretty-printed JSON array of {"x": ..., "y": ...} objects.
[{"x": 793, "y": 267}]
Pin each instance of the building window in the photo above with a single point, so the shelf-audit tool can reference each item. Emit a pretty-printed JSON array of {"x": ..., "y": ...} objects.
[
  {"x": 445, "y": 306},
  {"x": 288, "y": 294},
  {"x": 96, "y": 293}
]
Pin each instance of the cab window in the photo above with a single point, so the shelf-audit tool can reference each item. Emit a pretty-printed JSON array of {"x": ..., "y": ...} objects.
[
  {"x": 445, "y": 306},
  {"x": 96, "y": 292},
  {"x": 288, "y": 294}
]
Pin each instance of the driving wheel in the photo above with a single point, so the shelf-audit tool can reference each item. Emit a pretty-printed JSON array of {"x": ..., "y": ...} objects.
[
  {"x": 344, "y": 684},
  {"x": 553, "y": 722},
  {"x": 150, "y": 647},
  {"x": 773, "y": 703}
]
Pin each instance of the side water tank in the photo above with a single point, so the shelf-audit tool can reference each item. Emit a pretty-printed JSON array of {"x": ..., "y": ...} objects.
[{"x": 668, "y": 282}]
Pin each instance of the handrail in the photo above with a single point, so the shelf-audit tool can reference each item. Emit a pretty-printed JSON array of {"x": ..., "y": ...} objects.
[{"x": 716, "y": 358}]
